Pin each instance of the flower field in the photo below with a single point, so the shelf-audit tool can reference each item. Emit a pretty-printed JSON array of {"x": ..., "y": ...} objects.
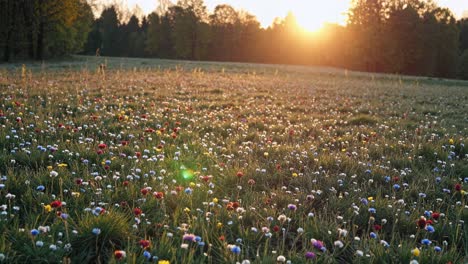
[{"x": 227, "y": 164}]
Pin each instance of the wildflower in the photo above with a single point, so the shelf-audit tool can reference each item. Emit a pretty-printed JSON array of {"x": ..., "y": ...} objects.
[
  {"x": 40, "y": 188},
  {"x": 240, "y": 174},
  {"x": 47, "y": 208},
  {"x": 373, "y": 235},
  {"x": 316, "y": 243},
  {"x": 39, "y": 243},
  {"x": 137, "y": 211},
  {"x": 34, "y": 232},
  {"x": 119, "y": 254},
  {"x": 236, "y": 250},
  {"x": 416, "y": 252},
  {"x": 144, "y": 243},
  {"x": 53, "y": 174},
  {"x": 426, "y": 242},
  {"x": 430, "y": 229},
  {"x": 96, "y": 231},
  {"x": 372, "y": 210},
  {"x": 280, "y": 259},
  {"x": 292, "y": 207},
  {"x": 458, "y": 187},
  {"x": 282, "y": 218},
  {"x": 309, "y": 255},
  {"x": 338, "y": 244},
  {"x": 146, "y": 254},
  {"x": 360, "y": 253},
  {"x": 164, "y": 262},
  {"x": 56, "y": 204}
]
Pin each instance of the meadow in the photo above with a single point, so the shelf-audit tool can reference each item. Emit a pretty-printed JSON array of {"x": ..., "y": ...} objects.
[{"x": 196, "y": 162}]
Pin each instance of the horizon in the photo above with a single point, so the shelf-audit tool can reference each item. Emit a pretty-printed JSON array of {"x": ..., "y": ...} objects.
[{"x": 308, "y": 16}]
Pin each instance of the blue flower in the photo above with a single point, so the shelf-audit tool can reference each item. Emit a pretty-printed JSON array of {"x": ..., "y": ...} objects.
[
  {"x": 396, "y": 187},
  {"x": 427, "y": 214},
  {"x": 364, "y": 201},
  {"x": 438, "y": 179},
  {"x": 372, "y": 210},
  {"x": 40, "y": 188},
  {"x": 34, "y": 232},
  {"x": 437, "y": 249},
  {"x": 387, "y": 178},
  {"x": 236, "y": 249},
  {"x": 430, "y": 229},
  {"x": 96, "y": 231},
  {"x": 373, "y": 235},
  {"x": 146, "y": 254},
  {"x": 426, "y": 242}
]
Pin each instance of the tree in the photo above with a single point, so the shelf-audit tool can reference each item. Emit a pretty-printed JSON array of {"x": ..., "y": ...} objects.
[
  {"x": 110, "y": 32},
  {"x": 153, "y": 37}
]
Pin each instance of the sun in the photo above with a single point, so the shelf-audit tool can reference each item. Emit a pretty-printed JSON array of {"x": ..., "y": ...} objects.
[{"x": 313, "y": 15}]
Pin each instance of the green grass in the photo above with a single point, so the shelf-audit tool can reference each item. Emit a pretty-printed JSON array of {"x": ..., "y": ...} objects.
[{"x": 226, "y": 151}]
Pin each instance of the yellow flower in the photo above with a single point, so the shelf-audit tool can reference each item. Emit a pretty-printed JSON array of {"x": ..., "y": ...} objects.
[
  {"x": 47, "y": 208},
  {"x": 451, "y": 141},
  {"x": 416, "y": 252},
  {"x": 294, "y": 175},
  {"x": 187, "y": 210},
  {"x": 75, "y": 194},
  {"x": 62, "y": 165},
  {"x": 192, "y": 184},
  {"x": 265, "y": 154},
  {"x": 164, "y": 262},
  {"x": 50, "y": 167},
  {"x": 219, "y": 225},
  {"x": 215, "y": 200},
  {"x": 370, "y": 198}
]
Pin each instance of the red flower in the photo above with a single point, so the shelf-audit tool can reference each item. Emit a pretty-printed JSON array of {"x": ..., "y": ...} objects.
[
  {"x": 125, "y": 183},
  {"x": 421, "y": 223},
  {"x": 377, "y": 227},
  {"x": 138, "y": 154},
  {"x": 435, "y": 215},
  {"x": 137, "y": 211},
  {"x": 56, "y": 204},
  {"x": 144, "y": 191},
  {"x": 276, "y": 228},
  {"x": 79, "y": 181},
  {"x": 144, "y": 243},
  {"x": 458, "y": 187},
  {"x": 119, "y": 254},
  {"x": 206, "y": 178},
  {"x": 158, "y": 195},
  {"x": 240, "y": 174},
  {"x": 102, "y": 146}
]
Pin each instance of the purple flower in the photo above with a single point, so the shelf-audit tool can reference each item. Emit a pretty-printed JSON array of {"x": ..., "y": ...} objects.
[
  {"x": 309, "y": 255},
  {"x": 317, "y": 243}
]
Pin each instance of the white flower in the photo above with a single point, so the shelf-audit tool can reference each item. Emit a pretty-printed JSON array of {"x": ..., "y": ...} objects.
[
  {"x": 281, "y": 258},
  {"x": 53, "y": 174},
  {"x": 338, "y": 244}
]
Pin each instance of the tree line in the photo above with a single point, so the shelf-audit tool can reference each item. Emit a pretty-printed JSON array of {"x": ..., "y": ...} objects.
[{"x": 392, "y": 36}]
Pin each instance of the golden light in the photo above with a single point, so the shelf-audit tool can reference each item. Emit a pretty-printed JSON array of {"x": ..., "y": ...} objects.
[{"x": 312, "y": 15}]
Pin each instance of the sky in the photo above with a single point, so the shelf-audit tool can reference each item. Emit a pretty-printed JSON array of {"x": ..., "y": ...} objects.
[{"x": 311, "y": 14}]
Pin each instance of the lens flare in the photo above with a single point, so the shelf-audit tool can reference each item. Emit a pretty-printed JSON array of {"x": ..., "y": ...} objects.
[{"x": 187, "y": 174}]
